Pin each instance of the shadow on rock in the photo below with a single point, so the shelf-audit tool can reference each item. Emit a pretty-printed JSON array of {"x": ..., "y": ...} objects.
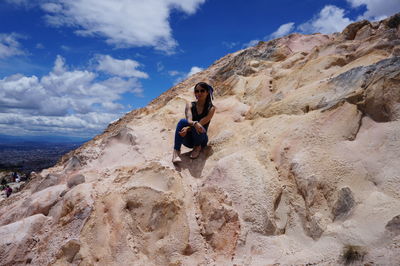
[{"x": 195, "y": 166}]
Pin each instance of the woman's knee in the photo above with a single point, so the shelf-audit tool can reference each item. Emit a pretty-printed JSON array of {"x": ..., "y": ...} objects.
[{"x": 183, "y": 122}]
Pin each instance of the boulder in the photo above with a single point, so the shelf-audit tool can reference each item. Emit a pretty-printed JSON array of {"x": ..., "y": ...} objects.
[
  {"x": 42, "y": 201},
  {"x": 75, "y": 180},
  {"x": 125, "y": 136},
  {"x": 73, "y": 164},
  {"x": 18, "y": 239},
  {"x": 350, "y": 32},
  {"x": 48, "y": 181}
]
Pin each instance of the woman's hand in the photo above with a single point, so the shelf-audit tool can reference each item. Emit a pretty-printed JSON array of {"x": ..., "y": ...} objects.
[
  {"x": 199, "y": 128},
  {"x": 183, "y": 131}
]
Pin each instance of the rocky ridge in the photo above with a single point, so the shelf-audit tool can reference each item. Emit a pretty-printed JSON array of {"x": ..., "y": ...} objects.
[{"x": 302, "y": 163}]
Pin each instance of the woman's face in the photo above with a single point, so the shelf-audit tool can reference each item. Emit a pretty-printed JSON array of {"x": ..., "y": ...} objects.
[{"x": 200, "y": 93}]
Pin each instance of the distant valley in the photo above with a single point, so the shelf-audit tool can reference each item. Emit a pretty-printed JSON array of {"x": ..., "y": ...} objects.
[{"x": 26, "y": 154}]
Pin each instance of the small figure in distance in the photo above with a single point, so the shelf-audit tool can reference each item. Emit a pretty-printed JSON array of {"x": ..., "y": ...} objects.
[
  {"x": 14, "y": 177},
  {"x": 8, "y": 190},
  {"x": 192, "y": 131}
]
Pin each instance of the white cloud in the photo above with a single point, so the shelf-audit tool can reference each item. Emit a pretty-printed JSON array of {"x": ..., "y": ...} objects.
[
  {"x": 230, "y": 45},
  {"x": 9, "y": 45},
  {"x": 124, "y": 23},
  {"x": 251, "y": 43},
  {"x": 181, "y": 76},
  {"x": 59, "y": 65},
  {"x": 333, "y": 19},
  {"x": 52, "y": 7},
  {"x": 139, "y": 55},
  {"x": 84, "y": 125},
  {"x": 62, "y": 101},
  {"x": 122, "y": 68},
  {"x": 174, "y": 73},
  {"x": 39, "y": 46},
  {"x": 283, "y": 30},
  {"x": 65, "y": 48},
  {"x": 160, "y": 66},
  {"x": 194, "y": 70},
  {"x": 377, "y": 9},
  {"x": 330, "y": 19}
]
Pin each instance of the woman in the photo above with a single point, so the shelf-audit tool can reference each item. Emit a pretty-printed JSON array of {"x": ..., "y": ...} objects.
[{"x": 192, "y": 131}]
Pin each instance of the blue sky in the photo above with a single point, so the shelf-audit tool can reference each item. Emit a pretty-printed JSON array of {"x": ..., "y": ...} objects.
[{"x": 70, "y": 67}]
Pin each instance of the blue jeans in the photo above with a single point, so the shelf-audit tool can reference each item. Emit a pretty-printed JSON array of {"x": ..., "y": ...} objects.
[{"x": 191, "y": 139}]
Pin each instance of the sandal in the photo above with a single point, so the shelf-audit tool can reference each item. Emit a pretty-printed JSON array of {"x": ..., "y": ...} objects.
[{"x": 195, "y": 152}]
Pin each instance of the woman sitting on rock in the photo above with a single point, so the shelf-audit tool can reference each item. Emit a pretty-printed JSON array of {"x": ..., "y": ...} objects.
[{"x": 192, "y": 131}]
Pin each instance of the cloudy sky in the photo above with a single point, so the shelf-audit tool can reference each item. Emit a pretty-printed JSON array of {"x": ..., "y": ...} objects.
[{"x": 70, "y": 67}]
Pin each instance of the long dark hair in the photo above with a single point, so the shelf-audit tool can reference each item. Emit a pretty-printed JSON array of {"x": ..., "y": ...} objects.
[{"x": 208, "y": 104}]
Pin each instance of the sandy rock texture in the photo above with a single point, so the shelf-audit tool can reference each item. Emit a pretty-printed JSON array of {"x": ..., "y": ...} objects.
[{"x": 302, "y": 168}]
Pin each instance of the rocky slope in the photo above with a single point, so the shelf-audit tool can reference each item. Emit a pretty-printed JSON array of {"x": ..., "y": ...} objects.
[{"x": 302, "y": 168}]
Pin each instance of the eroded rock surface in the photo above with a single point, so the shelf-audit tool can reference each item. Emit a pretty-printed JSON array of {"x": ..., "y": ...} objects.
[{"x": 302, "y": 162}]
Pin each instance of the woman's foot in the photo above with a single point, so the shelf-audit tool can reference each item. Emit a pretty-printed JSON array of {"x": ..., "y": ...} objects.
[
  {"x": 176, "y": 156},
  {"x": 195, "y": 152}
]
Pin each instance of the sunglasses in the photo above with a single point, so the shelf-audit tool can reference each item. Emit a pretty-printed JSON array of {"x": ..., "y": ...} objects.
[{"x": 202, "y": 91}]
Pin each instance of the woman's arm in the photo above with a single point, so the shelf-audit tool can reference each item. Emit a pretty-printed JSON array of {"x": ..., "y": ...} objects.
[
  {"x": 189, "y": 118},
  {"x": 199, "y": 126},
  {"x": 188, "y": 113},
  {"x": 207, "y": 119}
]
